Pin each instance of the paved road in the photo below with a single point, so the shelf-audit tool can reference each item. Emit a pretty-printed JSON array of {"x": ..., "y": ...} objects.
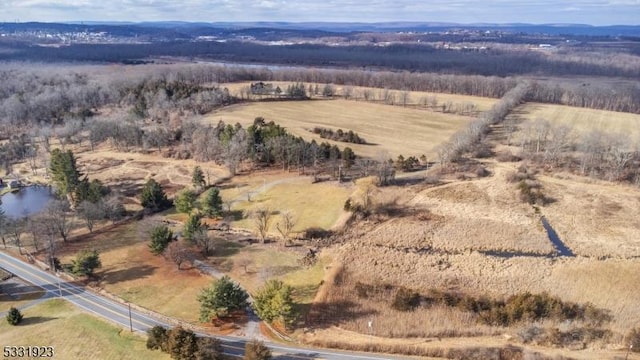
[{"x": 119, "y": 313}]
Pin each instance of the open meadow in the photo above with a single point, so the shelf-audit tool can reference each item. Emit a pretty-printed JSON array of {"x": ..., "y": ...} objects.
[
  {"x": 583, "y": 120},
  {"x": 75, "y": 334},
  {"x": 392, "y": 129}
]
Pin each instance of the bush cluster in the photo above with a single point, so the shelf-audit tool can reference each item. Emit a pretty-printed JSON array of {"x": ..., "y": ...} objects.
[
  {"x": 339, "y": 135},
  {"x": 516, "y": 308}
]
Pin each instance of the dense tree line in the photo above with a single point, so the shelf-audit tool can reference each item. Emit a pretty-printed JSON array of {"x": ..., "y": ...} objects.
[{"x": 411, "y": 57}]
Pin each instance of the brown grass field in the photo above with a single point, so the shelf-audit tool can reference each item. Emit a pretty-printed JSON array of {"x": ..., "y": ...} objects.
[
  {"x": 130, "y": 271},
  {"x": 583, "y": 120},
  {"x": 75, "y": 334},
  {"x": 393, "y": 129},
  {"x": 312, "y": 205}
]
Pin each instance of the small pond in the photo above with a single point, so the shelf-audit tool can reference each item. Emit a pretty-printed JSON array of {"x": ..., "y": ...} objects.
[{"x": 26, "y": 201}]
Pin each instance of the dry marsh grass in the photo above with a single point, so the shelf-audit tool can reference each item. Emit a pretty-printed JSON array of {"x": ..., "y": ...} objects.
[
  {"x": 594, "y": 218},
  {"x": 75, "y": 335},
  {"x": 393, "y": 129}
]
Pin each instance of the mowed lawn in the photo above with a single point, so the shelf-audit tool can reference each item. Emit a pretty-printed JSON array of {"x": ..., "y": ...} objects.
[
  {"x": 584, "y": 120},
  {"x": 75, "y": 334},
  {"x": 392, "y": 129},
  {"x": 130, "y": 271}
]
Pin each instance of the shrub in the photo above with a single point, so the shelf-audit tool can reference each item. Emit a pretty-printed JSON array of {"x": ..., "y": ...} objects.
[
  {"x": 405, "y": 300},
  {"x": 85, "y": 263},
  {"x": 14, "y": 316}
]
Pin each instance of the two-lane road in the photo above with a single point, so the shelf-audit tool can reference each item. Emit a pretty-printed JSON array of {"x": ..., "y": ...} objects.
[{"x": 119, "y": 313}]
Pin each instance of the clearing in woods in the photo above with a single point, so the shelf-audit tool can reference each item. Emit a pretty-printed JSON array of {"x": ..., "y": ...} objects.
[
  {"x": 75, "y": 334},
  {"x": 392, "y": 129}
]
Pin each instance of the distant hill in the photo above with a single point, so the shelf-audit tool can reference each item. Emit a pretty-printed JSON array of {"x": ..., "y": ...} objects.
[{"x": 179, "y": 29}]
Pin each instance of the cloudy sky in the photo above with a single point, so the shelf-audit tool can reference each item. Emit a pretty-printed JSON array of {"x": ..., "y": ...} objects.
[{"x": 595, "y": 12}]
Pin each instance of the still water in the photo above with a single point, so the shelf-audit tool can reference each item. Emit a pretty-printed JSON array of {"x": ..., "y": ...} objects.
[{"x": 26, "y": 201}]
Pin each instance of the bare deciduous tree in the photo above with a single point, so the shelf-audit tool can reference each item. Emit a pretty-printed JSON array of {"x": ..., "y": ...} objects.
[
  {"x": 262, "y": 221},
  {"x": 177, "y": 253},
  {"x": 288, "y": 222}
]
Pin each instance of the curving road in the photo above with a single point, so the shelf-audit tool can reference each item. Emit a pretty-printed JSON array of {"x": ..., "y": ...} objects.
[{"x": 119, "y": 313}]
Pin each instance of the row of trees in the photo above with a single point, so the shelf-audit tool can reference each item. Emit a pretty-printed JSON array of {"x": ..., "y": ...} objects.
[
  {"x": 465, "y": 139},
  {"x": 183, "y": 344}
]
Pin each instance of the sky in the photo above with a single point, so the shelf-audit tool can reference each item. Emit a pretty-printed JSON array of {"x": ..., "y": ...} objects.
[{"x": 594, "y": 12}]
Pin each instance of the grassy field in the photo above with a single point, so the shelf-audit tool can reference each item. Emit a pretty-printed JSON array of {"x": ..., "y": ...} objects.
[
  {"x": 391, "y": 129},
  {"x": 75, "y": 335},
  {"x": 130, "y": 271},
  {"x": 312, "y": 205},
  {"x": 584, "y": 120}
]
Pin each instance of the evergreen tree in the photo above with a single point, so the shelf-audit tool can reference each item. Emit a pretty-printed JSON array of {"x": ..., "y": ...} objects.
[
  {"x": 221, "y": 298},
  {"x": 197, "y": 179},
  {"x": 274, "y": 302},
  {"x": 185, "y": 201},
  {"x": 86, "y": 262},
  {"x": 153, "y": 197},
  {"x": 92, "y": 191},
  {"x": 161, "y": 236},
  {"x": 212, "y": 204},
  {"x": 192, "y": 227},
  {"x": 14, "y": 317},
  {"x": 64, "y": 171}
]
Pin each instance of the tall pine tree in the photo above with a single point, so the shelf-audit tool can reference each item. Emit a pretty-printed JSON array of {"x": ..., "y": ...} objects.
[{"x": 64, "y": 172}]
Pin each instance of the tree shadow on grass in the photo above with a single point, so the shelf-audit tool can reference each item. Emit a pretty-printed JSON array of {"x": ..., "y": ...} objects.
[
  {"x": 328, "y": 314},
  {"x": 226, "y": 248},
  {"x": 136, "y": 272},
  {"x": 34, "y": 320}
]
